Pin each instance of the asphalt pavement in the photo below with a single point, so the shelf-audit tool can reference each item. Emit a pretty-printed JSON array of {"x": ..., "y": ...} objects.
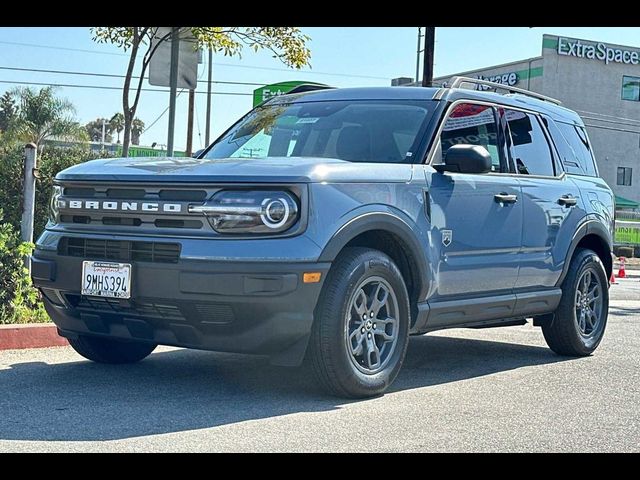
[{"x": 499, "y": 389}]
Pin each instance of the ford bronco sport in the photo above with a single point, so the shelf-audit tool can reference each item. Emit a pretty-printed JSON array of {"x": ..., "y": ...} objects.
[{"x": 327, "y": 226}]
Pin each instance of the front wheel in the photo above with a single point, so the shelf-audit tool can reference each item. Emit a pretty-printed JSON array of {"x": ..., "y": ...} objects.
[
  {"x": 110, "y": 350},
  {"x": 579, "y": 322},
  {"x": 360, "y": 333}
]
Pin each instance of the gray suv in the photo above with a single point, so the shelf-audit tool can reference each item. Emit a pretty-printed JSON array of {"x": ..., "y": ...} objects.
[{"x": 327, "y": 226}]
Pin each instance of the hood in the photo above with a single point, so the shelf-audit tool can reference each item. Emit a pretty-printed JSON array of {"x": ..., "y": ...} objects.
[{"x": 234, "y": 170}]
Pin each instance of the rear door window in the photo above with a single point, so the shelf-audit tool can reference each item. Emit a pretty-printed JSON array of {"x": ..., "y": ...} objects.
[
  {"x": 530, "y": 149},
  {"x": 567, "y": 156}
]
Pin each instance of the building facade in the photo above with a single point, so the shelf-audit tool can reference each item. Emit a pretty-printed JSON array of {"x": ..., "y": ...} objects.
[{"x": 598, "y": 80}]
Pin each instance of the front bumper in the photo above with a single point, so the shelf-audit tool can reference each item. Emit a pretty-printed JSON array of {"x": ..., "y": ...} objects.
[{"x": 233, "y": 306}]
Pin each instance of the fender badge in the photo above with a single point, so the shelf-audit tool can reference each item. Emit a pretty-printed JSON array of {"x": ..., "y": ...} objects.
[{"x": 447, "y": 237}]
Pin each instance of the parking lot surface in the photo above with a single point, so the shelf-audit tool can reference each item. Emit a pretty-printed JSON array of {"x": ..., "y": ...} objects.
[{"x": 499, "y": 389}]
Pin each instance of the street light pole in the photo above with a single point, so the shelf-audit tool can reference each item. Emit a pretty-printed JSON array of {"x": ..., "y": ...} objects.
[
  {"x": 104, "y": 128},
  {"x": 173, "y": 85},
  {"x": 208, "y": 127},
  {"x": 429, "y": 43},
  {"x": 192, "y": 95},
  {"x": 418, "y": 52}
]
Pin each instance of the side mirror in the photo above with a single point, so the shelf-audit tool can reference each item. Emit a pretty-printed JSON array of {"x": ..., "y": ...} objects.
[
  {"x": 465, "y": 159},
  {"x": 197, "y": 153}
]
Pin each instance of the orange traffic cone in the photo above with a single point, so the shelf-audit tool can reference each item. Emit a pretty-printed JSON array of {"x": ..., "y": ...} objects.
[
  {"x": 612, "y": 280},
  {"x": 621, "y": 271}
]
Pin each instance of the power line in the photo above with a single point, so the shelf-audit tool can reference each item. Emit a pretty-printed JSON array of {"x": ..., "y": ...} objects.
[
  {"x": 111, "y": 75},
  {"x": 69, "y": 49},
  {"x": 103, "y": 87},
  {"x": 622, "y": 119},
  {"x": 612, "y": 128},
  {"x": 617, "y": 122},
  {"x": 254, "y": 67},
  {"x": 195, "y": 104},
  {"x": 160, "y": 116},
  {"x": 166, "y": 109},
  {"x": 195, "y": 107}
]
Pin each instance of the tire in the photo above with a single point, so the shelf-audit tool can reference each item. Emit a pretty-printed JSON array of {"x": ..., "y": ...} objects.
[
  {"x": 109, "y": 350},
  {"x": 357, "y": 276},
  {"x": 569, "y": 333}
]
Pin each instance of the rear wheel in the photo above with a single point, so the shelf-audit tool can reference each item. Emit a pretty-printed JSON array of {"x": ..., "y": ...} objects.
[
  {"x": 580, "y": 320},
  {"x": 360, "y": 332},
  {"x": 109, "y": 350}
]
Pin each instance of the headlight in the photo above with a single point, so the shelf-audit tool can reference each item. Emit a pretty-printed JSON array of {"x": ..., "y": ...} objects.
[
  {"x": 240, "y": 211},
  {"x": 54, "y": 203}
]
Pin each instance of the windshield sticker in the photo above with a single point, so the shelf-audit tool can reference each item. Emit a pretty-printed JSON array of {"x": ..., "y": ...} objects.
[{"x": 308, "y": 120}]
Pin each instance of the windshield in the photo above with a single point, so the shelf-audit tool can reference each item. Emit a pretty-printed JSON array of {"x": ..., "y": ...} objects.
[{"x": 383, "y": 131}]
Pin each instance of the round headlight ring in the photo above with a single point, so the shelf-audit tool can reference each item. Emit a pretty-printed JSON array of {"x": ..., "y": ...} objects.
[{"x": 271, "y": 204}]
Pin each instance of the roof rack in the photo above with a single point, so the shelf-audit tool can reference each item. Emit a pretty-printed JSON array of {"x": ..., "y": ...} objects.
[{"x": 457, "y": 81}]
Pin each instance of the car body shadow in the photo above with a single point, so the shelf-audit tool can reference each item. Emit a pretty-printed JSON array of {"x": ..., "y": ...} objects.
[
  {"x": 179, "y": 390},
  {"x": 624, "y": 311}
]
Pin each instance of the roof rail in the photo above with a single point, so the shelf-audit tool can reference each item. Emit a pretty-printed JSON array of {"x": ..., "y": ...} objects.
[{"x": 457, "y": 81}]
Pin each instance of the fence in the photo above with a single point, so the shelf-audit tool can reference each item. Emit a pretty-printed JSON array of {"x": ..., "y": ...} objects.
[{"x": 628, "y": 215}]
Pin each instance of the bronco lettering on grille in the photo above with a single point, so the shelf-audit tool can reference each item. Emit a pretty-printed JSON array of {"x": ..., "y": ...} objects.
[{"x": 118, "y": 206}]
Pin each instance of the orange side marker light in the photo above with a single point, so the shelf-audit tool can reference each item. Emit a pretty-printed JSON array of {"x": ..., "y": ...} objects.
[{"x": 311, "y": 277}]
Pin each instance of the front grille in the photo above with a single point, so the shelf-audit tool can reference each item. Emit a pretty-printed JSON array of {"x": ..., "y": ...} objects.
[
  {"x": 141, "y": 309},
  {"x": 206, "y": 314},
  {"x": 134, "y": 218},
  {"x": 215, "y": 313},
  {"x": 119, "y": 250}
]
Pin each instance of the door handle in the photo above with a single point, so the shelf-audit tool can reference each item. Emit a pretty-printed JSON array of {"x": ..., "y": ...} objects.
[
  {"x": 567, "y": 200},
  {"x": 505, "y": 198}
]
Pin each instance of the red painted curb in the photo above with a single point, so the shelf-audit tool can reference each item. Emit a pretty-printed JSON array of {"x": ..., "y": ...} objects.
[{"x": 30, "y": 335}]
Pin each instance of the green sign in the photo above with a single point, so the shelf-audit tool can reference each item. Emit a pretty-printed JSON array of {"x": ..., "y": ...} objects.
[
  {"x": 627, "y": 233},
  {"x": 263, "y": 93},
  {"x": 139, "y": 151}
]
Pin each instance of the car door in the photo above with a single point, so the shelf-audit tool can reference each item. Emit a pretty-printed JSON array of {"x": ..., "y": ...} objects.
[
  {"x": 550, "y": 199},
  {"x": 476, "y": 219}
]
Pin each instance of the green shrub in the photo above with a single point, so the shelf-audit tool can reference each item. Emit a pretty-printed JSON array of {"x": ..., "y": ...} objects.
[{"x": 19, "y": 300}]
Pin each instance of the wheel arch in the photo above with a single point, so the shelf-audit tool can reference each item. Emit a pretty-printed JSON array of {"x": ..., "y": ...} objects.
[
  {"x": 392, "y": 235},
  {"x": 594, "y": 236}
]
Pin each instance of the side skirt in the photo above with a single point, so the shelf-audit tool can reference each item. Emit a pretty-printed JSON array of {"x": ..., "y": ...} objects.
[{"x": 489, "y": 311}]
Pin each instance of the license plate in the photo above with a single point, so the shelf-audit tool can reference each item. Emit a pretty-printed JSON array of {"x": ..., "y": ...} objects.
[{"x": 106, "y": 279}]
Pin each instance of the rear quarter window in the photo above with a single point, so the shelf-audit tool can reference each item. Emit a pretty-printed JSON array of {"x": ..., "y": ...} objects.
[{"x": 573, "y": 147}]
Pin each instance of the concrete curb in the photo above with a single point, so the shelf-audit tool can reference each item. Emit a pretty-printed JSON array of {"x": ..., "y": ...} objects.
[{"x": 30, "y": 335}]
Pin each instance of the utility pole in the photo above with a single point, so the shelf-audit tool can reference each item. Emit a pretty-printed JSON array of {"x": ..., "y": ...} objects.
[
  {"x": 418, "y": 52},
  {"x": 427, "y": 68},
  {"x": 173, "y": 85},
  {"x": 189, "y": 148},
  {"x": 208, "y": 127}
]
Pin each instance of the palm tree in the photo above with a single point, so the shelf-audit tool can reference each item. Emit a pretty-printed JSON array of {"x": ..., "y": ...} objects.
[
  {"x": 94, "y": 129},
  {"x": 117, "y": 124},
  {"x": 137, "y": 127},
  {"x": 43, "y": 115}
]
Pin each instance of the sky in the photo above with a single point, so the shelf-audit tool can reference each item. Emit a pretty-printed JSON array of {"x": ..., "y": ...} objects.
[{"x": 341, "y": 57}]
